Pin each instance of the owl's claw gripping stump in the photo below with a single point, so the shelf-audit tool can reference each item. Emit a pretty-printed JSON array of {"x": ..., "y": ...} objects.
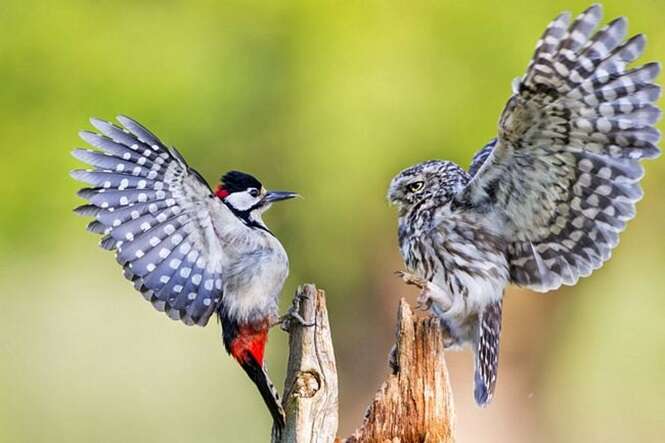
[
  {"x": 429, "y": 292},
  {"x": 424, "y": 300},
  {"x": 411, "y": 279},
  {"x": 293, "y": 315}
]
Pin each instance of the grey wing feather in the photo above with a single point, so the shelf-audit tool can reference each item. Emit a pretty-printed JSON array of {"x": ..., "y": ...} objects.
[
  {"x": 564, "y": 173},
  {"x": 480, "y": 157},
  {"x": 156, "y": 213}
]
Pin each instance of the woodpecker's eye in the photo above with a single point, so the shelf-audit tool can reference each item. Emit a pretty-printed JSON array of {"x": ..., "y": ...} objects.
[
  {"x": 415, "y": 186},
  {"x": 254, "y": 192}
]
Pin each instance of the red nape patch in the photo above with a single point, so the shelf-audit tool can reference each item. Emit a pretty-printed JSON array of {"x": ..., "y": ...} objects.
[
  {"x": 221, "y": 192},
  {"x": 250, "y": 341}
]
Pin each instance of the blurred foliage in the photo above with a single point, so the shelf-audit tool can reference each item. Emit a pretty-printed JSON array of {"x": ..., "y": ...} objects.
[{"x": 326, "y": 98}]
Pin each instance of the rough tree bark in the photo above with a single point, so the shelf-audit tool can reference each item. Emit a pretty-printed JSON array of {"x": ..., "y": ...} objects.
[
  {"x": 414, "y": 404},
  {"x": 310, "y": 389}
]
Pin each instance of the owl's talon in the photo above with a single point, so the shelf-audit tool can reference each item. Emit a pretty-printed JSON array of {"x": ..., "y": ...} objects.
[
  {"x": 424, "y": 300},
  {"x": 411, "y": 279}
]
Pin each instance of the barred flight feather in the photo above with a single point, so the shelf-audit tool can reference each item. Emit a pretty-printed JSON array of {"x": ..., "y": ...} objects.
[
  {"x": 565, "y": 168},
  {"x": 487, "y": 353}
]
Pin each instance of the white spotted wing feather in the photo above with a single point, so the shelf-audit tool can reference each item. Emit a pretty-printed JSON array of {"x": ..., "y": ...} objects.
[
  {"x": 564, "y": 171},
  {"x": 156, "y": 213}
]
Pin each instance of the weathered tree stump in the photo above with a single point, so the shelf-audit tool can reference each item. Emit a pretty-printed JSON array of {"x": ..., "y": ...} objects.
[
  {"x": 310, "y": 390},
  {"x": 413, "y": 405}
]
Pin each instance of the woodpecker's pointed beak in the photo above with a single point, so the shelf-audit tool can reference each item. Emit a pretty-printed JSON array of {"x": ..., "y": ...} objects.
[{"x": 274, "y": 196}]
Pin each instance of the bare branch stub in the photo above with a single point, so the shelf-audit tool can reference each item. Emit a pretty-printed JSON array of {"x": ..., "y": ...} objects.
[
  {"x": 415, "y": 403},
  {"x": 310, "y": 391}
]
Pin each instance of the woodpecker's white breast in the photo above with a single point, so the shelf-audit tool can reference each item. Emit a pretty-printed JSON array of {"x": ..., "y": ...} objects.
[{"x": 255, "y": 267}]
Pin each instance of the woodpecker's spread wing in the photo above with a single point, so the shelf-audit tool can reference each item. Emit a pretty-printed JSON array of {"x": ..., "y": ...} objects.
[
  {"x": 157, "y": 213},
  {"x": 565, "y": 169}
]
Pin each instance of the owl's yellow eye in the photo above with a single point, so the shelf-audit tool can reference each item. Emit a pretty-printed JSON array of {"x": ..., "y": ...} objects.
[{"x": 415, "y": 186}]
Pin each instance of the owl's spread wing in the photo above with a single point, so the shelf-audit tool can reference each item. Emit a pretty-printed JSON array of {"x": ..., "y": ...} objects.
[
  {"x": 156, "y": 213},
  {"x": 480, "y": 157},
  {"x": 564, "y": 170}
]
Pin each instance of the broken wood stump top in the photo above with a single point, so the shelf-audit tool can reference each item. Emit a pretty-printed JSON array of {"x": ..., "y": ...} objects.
[
  {"x": 310, "y": 390},
  {"x": 414, "y": 404}
]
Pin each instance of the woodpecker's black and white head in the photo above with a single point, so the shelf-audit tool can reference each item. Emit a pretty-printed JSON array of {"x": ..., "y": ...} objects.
[
  {"x": 434, "y": 180},
  {"x": 247, "y": 198}
]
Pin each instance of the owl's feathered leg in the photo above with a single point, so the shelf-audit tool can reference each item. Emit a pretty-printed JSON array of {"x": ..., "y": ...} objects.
[{"x": 487, "y": 353}]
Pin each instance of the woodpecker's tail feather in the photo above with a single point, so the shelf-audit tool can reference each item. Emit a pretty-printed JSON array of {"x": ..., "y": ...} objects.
[
  {"x": 259, "y": 376},
  {"x": 487, "y": 353},
  {"x": 246, "y": 343}
]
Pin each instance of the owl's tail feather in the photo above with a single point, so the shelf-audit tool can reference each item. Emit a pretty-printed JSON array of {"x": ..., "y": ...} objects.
[{"x": 487, "y": 353}]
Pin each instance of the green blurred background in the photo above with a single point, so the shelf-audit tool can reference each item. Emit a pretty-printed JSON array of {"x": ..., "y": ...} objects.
[{"x": 329, "y": 99}]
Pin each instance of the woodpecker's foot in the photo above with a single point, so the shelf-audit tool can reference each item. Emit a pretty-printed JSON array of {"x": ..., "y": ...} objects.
[
  {"x": 293, "y": 315},
  {"x": 286, "y": 320}
]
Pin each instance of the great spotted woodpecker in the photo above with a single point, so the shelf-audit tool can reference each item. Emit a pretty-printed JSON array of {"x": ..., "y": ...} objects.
[{"x": 190, "y": 250}]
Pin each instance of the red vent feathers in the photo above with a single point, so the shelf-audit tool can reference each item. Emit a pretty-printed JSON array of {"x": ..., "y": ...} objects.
[{"x": 249, "y": 342}]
